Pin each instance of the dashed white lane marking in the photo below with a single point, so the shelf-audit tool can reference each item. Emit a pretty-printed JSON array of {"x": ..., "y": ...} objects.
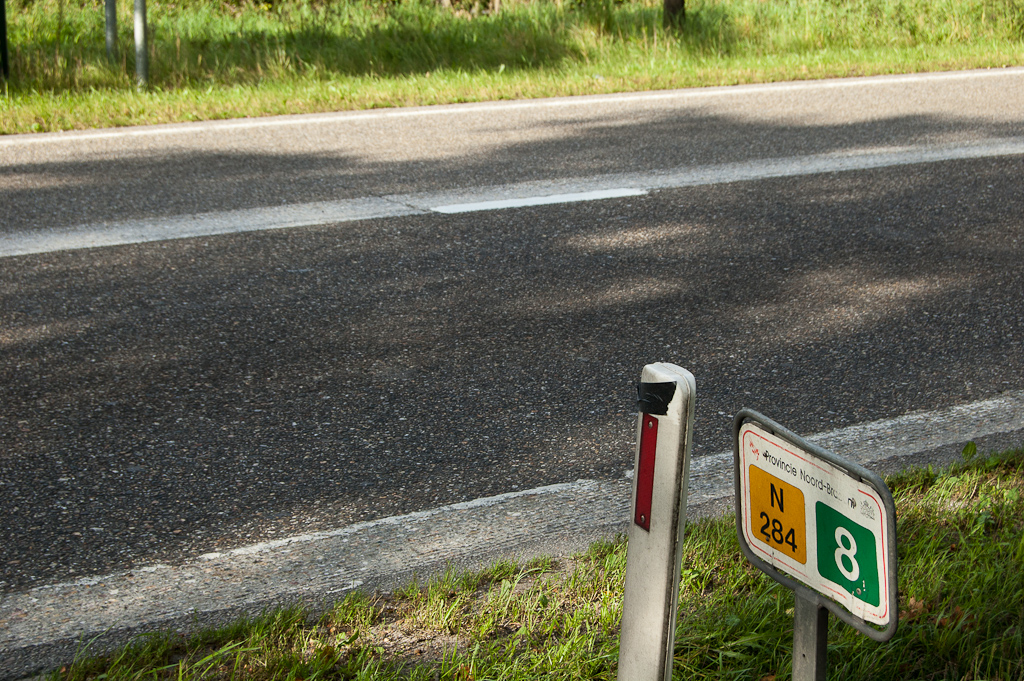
[
  {"x": 599, "y": 187},
  {"x": 538, "y": 200},
  {"x": 552, "y": 520},
  {"x": 485, "y": 107}
]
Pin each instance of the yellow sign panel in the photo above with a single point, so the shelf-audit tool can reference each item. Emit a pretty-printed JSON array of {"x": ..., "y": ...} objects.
[{"x": 777, "y": 514}]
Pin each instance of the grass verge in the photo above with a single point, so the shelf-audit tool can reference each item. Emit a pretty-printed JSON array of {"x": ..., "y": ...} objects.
[
  {"x": 961, "y": 550},
  {"x": 248, "y": 58}
]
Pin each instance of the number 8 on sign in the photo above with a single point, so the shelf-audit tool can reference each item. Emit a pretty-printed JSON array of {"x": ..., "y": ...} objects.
[
  {"x": 847, "y": 551},
  {"x": 846, "y": 554}
]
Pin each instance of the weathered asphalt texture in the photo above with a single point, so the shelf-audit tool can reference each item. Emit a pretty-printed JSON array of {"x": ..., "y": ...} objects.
[{"x": 172, "y": 399}]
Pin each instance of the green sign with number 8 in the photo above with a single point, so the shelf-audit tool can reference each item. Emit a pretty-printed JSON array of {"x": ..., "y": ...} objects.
[{"x": 846, "y": 554}]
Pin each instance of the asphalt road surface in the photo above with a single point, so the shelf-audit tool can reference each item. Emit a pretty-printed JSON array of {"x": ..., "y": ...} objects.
[{"x": 171, "y": 398}]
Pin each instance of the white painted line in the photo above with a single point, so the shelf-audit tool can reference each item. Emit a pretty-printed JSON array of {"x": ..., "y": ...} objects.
[
  {"x": 539, "y": 200},
  {"x": 922, "y": 431},
  {"x": 487, "y": 198},
  {"x": 205, "y": 224},
  {"x": 485, "y": 107},
  {"x": 862, "y": 159}
]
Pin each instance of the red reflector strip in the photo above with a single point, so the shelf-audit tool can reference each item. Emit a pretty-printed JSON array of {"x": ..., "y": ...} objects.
[{"x": 645, "y": 471}]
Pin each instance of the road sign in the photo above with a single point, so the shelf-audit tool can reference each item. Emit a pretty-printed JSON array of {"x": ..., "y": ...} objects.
[
  {"x": 661, "y": 473},
  {"x": 816, "y": 523}
]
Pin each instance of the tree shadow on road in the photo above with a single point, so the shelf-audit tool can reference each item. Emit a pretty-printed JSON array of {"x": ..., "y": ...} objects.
[{"x": 192, "y": 395}]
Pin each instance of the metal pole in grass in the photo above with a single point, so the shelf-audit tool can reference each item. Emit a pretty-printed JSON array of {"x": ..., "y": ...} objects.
[
  {"x": 810, "y": 640},
  {"x": 111, "y": 24},
  {"x": 141, "y": 50},
  {"x": 5, "y": 66}
]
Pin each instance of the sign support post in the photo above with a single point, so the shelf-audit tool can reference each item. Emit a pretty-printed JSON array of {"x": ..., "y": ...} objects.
[
  {"x": 810, "y": 640},
  {"x": 661, "y": 474}
]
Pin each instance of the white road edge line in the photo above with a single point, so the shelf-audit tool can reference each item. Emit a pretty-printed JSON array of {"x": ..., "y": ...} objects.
[
  {"x": 471, "y": 199},
  {"x": 481, "y": 107}
]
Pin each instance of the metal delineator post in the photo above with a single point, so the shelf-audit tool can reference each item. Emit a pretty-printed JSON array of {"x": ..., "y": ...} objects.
[{"x": 658, "y": 515}]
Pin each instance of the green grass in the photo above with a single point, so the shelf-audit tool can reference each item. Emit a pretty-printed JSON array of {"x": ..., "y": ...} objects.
[
  {"x": 961, "y": 553},
  {"x": 240, "y": 58}
]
